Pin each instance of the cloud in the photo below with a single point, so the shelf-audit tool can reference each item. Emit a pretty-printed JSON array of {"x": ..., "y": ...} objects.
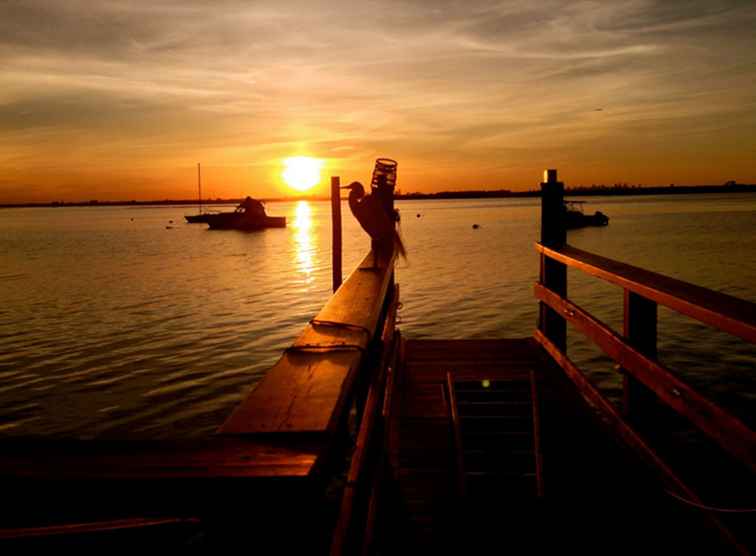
[{"x": 475, "y": 81}]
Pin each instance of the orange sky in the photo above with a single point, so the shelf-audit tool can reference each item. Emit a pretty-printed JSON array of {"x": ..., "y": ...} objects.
[{"x": 120, "y": 100}]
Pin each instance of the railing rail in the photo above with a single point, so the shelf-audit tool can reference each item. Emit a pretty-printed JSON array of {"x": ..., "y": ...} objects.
[
  {"x": 728, "y": 313},
  {"x": 647, "y": 381},
  {"x": 728, "y": 431},
  {"x": 307, "y": 390}
]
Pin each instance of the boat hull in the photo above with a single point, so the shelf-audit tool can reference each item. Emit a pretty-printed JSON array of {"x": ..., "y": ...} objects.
[
  {"x": 575, "y": 219},
  {"x": 242, "y": 221},
  {"x": 197, "y": 218}
]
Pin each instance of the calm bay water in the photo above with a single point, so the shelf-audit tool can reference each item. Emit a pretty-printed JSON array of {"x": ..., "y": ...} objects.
[{"x": 113, "y": 325}]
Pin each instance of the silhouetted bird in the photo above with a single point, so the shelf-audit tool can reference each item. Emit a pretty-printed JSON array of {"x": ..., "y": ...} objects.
[{"x": 373, "y": 217}]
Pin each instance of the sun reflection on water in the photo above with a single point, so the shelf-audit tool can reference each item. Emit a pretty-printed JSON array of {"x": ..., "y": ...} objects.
[{"x": 303, "y": 237}]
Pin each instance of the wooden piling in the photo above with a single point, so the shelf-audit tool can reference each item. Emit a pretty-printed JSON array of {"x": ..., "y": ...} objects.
[
  {"x": 640, "y": 322},
  {"x": 336, "y": 231},
  {"x": 553, "y": 273}
]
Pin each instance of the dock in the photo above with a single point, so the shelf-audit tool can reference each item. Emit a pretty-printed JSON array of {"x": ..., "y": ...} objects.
[{"x": 360, "y": 440}]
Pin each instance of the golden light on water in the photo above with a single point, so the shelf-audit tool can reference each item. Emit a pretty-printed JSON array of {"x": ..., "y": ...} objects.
[
  {"x": 302, "y": 172},
  {"x": 303, "y": 237}
]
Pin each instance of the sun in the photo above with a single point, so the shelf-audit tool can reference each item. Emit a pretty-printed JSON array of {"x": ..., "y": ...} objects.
[{"x": 302, "y": 172}]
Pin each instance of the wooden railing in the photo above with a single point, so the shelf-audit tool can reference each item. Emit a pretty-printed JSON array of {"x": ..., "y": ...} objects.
[
  {"x": 647, "y": 381},
  {"x": 290, "y": 430}
]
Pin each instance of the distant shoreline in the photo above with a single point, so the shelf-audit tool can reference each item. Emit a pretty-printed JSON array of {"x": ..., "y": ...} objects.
[{"x": 480, "y": 194}]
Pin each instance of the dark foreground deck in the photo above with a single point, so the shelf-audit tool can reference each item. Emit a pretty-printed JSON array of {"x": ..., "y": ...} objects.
[{"x": 494, "y": 449}]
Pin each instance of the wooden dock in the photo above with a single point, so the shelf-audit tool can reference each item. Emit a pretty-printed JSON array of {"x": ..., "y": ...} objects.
[
  {"x": 492, "y": 446},
  {"x": 361, "y": 441}
]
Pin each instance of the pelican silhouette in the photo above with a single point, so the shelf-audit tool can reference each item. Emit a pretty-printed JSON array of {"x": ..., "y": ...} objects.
[{"x": 372, "y": 216}]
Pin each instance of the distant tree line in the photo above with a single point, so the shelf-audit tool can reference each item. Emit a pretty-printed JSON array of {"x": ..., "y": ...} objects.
[
  {"x": 586, "y": 190},
  {"x": 574, "y": 191}
]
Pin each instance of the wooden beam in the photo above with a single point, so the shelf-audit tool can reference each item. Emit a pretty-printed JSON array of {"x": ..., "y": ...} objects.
[
  {"x": 640, "y": 331},
  {"x": 336, "y": 231},
  {"x": 728, "y": 313},
  {"x": 553, "y": 274},
  {"x": 215, "y": 457},
  {"x": 306, "y": 391},
  {"x": 620, "y": 429},
  {"x": 459, "y": 453},
  {"x": 728, "y": 431},
  {"x": 75, "y": 529}
]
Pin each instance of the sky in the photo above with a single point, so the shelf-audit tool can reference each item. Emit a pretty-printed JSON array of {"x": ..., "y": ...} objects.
[{"x": 121, "y": 100}]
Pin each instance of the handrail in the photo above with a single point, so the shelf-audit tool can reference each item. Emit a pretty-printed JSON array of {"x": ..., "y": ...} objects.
[
  {"x": 617, "y": 424},
  {"x": 371, "y": 419},
  {"x": 307, "y": 389},
  {"x": 728, "y": 431},
  {"x": 728, "y": 313}
]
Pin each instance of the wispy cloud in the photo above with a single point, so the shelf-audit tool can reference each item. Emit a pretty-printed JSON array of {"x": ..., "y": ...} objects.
[{"x": 464, "y": 94}]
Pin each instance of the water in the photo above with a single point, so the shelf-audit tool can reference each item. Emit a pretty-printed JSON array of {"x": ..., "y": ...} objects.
[{"x": 113, "y": 325}]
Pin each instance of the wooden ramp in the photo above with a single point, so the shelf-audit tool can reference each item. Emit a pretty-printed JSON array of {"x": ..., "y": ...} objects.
[{"x": 491, "y": 447}]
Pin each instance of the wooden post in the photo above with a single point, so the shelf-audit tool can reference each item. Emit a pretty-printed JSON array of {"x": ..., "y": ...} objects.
[
  {"x": 336, "y": 229},
  {"x": 553, "y": 273},
  {"x": 640, "y": 332}
]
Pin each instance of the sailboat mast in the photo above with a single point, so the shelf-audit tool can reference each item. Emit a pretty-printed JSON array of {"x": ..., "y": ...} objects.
[{"x": 199, "y": 187}]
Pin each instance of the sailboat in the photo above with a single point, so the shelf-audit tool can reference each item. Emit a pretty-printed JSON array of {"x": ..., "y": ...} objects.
[{"x": 198, "y": 218}]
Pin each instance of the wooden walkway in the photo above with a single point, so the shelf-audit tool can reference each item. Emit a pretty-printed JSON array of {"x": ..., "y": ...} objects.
[{"x": 492, "y": 447}]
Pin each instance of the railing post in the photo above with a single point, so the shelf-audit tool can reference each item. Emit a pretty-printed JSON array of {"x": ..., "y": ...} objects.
[
  {"x": 336, "y": 231},
  {"x": 640, "y": 332},
  {"x": 553, "y": 273}
]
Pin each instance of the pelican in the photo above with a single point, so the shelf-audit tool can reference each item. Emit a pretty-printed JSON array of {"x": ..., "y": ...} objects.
[{"x": 372, "y": 216}]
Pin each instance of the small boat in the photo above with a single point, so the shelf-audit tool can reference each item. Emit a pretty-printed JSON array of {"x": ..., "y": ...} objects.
[
  {"x": 576, "y": 218},
  {"x": 249, "y": 215}
]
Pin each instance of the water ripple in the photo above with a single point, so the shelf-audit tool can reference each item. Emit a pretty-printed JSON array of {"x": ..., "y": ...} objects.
[{"x": 108, "y": 331}]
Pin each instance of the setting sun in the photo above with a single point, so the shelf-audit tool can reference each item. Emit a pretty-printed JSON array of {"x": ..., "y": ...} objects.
[{"x": 302, "y": 172}]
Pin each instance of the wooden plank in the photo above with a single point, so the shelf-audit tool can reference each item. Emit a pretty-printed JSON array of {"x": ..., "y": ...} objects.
[
  {"x": 728, "y": 431},
  {"x": 215, "y": 457},
  {"x": 458, "y": 447},
  {"x": 306, "y": 390},
  {"x": 360, "y": 298},
  {"x": 72, "y": 529},
  {"x": 301, "y": 393},
  {"x": 537, "y": 434},
  {"x": 474, "y": 350},
  {"x": 728, "y": 313},
  {"x": 620, "y": 429}
]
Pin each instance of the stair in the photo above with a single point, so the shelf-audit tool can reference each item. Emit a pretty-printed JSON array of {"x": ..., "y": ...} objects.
[{"x": 498, "y": 439}]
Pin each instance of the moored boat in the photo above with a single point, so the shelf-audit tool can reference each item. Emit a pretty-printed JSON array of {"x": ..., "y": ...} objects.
[
  {"x": 576, "y": 218},
  {"x": 249, "y": 215}
]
